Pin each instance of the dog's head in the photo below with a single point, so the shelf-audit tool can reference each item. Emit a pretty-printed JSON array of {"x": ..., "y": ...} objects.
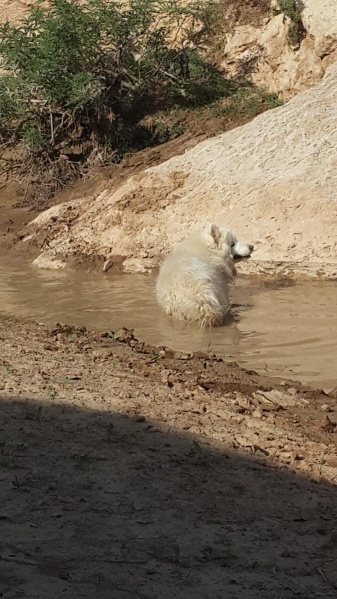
[{"x": 223, "y": 240}]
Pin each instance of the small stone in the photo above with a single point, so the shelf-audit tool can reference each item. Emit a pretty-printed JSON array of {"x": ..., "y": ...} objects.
[
  {"x": 257, "y": 414},
  {"x": 107, "y": 265},
  {"x": 328, "y": 425}
]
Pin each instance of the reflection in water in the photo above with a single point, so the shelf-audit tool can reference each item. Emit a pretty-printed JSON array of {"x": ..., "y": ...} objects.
[{"x": 285, "y": 330}]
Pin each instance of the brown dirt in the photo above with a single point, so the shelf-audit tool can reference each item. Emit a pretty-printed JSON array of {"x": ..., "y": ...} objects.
[
  {"x": 251, "y": 12},
  {"x": 18, "y": 208},
  {"x": 19, "y": 205},
  {"x": 129, "y": 471}
]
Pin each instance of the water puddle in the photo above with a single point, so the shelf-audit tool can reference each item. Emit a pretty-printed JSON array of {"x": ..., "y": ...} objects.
[{"x": 283, "y": 330}]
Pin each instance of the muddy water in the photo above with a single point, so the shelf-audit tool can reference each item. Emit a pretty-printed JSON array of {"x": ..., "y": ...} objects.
[{"x": 286, "y": 330}]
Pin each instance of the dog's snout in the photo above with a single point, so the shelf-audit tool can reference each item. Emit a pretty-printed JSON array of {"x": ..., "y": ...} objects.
[{"x": 251, "y": 247}]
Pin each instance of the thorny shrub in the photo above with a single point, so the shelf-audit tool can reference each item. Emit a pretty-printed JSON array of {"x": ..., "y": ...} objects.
[{"x": 76, "y": 79}]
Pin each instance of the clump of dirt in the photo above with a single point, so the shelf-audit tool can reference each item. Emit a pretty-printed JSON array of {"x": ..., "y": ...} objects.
[
  {"x": 252, "y": 12},
  {"x": 142, "y": 202},
  {"x": 141, "y": 472}
]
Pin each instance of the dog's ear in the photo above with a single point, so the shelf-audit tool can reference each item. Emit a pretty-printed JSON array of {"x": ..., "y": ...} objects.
[{"x": 214, "y": 231}]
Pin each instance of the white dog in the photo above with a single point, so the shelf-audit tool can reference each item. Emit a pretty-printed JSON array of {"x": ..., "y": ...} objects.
[{"x": 193, "y": 282}]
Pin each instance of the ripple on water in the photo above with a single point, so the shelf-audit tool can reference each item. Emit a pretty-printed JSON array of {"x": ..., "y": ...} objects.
[{"x": 286, "y": 329}]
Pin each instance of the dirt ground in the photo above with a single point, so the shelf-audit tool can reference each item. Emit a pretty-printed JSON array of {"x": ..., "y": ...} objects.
[
  {"x": 19, "y": 205},
  {"x": 129, "y": 471}
]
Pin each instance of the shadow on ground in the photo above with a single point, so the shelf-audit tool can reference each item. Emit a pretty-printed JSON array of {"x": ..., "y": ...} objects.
[{"x": 101, "y": 505}]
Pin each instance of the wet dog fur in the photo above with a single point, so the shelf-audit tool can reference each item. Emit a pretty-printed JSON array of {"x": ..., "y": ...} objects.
[{"x": 193, "y": 282}]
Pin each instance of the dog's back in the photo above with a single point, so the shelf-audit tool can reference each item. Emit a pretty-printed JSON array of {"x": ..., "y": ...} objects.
[{"x": 193, "y": 281}]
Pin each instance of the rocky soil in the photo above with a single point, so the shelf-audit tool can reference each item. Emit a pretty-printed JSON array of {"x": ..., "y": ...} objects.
[
  {"x": 131, "y": 471},
  {"x": 272, "y": 180}
]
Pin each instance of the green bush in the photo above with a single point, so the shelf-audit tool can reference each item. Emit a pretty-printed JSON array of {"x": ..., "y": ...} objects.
[
  {"x": 293, "y": 9},
  {"x": 82, "y": 76},
  {"x": 246, "y": 100}
]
